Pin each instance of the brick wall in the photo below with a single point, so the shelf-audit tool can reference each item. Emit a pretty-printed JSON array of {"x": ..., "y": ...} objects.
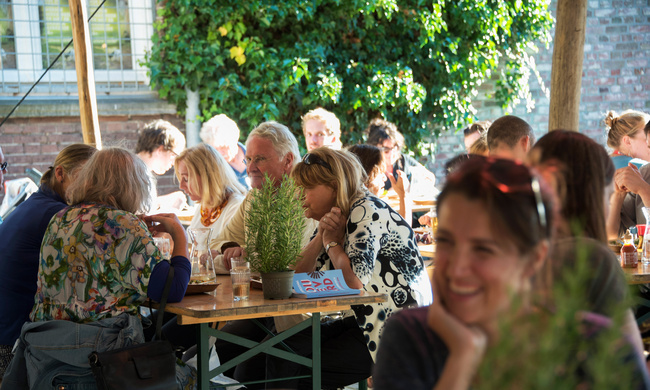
[
  {"x": 35, "y": 142},
  {"x": 616, "y": 75}
]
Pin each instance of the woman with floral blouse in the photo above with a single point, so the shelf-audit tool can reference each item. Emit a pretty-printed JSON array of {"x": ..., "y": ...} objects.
[{"x": 98, "y": 259}]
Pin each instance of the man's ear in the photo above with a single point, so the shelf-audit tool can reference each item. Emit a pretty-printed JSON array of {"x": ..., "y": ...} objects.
[
  {"x": 525, "y": 143},
  {"x": 288, "y": 162}
]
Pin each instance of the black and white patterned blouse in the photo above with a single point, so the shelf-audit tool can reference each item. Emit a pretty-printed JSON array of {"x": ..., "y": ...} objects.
[{"x": 385, "y": 257}]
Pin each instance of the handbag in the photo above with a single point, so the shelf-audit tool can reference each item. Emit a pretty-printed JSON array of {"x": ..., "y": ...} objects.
[{"x": 150, "y": 365}]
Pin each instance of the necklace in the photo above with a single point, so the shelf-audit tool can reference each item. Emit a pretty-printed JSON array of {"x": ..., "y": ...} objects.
[{"x": 209, "y": 216}]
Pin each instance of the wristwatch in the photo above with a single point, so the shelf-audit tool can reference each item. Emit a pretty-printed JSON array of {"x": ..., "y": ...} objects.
[{"x": 330, "y": 245}]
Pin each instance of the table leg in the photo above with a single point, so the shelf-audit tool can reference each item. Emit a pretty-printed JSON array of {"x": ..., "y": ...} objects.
[
  {"x": 315, "y": 348},
  {"x": 203, "y": 357}
]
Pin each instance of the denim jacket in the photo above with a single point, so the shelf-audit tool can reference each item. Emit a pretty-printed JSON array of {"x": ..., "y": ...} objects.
[{"x": 55, "y": 353}]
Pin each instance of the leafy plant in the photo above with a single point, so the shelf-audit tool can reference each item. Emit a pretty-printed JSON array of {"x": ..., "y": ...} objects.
[
  {"x": 416, "y": 63},
  {"x": 559, "y": 348},
  {"x": 274, "y": 226}
]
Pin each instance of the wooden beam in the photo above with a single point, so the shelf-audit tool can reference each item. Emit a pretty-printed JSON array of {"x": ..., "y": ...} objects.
[
  {"x": 566, "y": 71},
  {"x": 83, "y": 58}
]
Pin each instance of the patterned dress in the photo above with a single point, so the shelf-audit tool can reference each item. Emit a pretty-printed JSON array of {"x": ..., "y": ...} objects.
[
  {"x": 95, "y": 263},
  {"x": 385, "y": 257}
]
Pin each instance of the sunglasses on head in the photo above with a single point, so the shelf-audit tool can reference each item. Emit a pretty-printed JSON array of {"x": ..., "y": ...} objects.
[
  {"x": 498, "y": 173},
  {"x": 311, "y": 159}
]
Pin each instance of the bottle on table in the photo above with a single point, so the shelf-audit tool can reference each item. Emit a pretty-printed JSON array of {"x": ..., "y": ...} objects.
[{"x": 629, "y": 254}]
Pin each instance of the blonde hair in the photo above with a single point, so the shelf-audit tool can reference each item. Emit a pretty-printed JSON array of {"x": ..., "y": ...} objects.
[
  {"x": 480, "y": 146},
  {"x": 70, "y": 158},
  {"x": 210, "y": 173},
  {"x": 219, "y": 126},
  {"x": 346, "y": 177},
  {"x": 331, "y": 122},
  {"x": 114, "y": 177},
  {"x": 628, "y": 123}
]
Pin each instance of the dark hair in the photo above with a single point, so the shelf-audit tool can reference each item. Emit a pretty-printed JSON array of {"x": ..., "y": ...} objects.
[
  {"x": 372, "y": 160},
  {"x": 159, "y": 133},
  {"x": 508, "y": 130},
  {"x": 586, "y": 170},
  {"x": 505, "y": 187},
  {"x": 646, "y": 129},
  {"x": 455, "y": 162},
  {"x": 380, "y": 130}
]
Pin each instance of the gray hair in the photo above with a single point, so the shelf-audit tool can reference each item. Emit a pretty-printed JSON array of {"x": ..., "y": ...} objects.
[
  {"x": 280, "y": 136},
  {"x": 219, "y": 126},
  {"x": 114, "y": 177}
]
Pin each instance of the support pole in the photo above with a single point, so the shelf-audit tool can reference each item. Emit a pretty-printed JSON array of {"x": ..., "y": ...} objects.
[
  {"x": 192, "y": 122},
  {"x": 566, "y": 72},
  {"x": 85, "y": 73}
]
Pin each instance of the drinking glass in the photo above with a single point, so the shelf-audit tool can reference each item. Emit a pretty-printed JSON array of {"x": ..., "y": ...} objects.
[
  {"x": 164, "y": 246},
  {"x": 240, "y": 274},
  {"x": 645, "y": 251},
  {"x": 201, "y": 256}
]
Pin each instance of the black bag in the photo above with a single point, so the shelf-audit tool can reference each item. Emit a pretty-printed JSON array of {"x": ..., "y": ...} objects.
[{"x": 143, "y": 366}]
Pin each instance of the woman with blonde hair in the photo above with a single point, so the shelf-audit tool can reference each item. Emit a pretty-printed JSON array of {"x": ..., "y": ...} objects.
[
  {"x": 626, "y": 136},
  {"x": 207, "y": 179},
  {"x": 20, "y": 245},
  {"x": 376, "y": 251},
  {"x": 98, "y": 264}
]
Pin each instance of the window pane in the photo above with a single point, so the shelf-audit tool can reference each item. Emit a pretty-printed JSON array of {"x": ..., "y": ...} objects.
[
  {"x": 7, "y": 39},
  {"x": 109, "y": 31}
]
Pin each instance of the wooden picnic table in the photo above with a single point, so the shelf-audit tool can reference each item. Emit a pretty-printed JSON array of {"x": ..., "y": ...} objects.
[{"x": 206, "y": 308}]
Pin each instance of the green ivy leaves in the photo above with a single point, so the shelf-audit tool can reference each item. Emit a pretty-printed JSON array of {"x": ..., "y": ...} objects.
[{"x": 416, "y": 63}]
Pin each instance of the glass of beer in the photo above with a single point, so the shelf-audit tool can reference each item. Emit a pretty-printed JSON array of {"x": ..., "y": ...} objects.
[{"x": 240, "y": 274}]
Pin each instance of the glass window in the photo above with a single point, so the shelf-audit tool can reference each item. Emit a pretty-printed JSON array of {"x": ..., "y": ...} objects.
[{"x": 7, "y": 39}]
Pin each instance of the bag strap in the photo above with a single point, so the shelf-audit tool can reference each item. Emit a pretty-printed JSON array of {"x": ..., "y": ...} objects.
[{"x": 163, "y": 303}]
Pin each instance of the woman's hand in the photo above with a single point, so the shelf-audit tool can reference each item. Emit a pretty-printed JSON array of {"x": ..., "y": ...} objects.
[
  {"x": 467, "y": 344},
  {"x": 332, "y": 226},
  {"x": 168, "y": 223},
  {"x": 425, "y": 220},
  {"x": 401, "y": 185}
]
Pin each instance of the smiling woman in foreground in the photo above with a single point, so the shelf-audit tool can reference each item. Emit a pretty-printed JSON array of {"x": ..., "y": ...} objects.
[{"x": 494, "y": 228}]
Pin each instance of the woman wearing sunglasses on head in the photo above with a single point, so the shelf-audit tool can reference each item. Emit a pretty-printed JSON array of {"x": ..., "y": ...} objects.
[
  {"x": 376, "y": 251},
  {"x": 494, "y": 230}
]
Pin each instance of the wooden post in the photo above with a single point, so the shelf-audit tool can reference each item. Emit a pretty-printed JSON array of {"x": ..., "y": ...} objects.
[
  {"x": 566, "y": 71},
  {"x": 83, "y": 58}
]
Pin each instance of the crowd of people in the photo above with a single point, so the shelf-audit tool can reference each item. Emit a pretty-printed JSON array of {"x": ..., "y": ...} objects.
[{"x": 515, "y": 215}]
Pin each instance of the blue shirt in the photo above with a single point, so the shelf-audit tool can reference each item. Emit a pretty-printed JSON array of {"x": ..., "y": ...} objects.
[
  {"x": 242, "y": 176},
  {"x": 621, "y": 161},
  {"x": 20, "y": 246}
]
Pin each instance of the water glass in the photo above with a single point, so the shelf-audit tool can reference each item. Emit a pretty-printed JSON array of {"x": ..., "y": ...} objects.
[
  {"x": 240, "y": 274},
  {"x": 164, "y": 246}
]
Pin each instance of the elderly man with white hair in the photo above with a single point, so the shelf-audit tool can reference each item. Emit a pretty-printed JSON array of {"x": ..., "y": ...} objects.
[{"x": 222, "y": 133}]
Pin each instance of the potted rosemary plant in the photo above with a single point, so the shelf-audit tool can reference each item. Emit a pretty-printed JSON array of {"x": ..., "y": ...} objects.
[{"x": 274, "y": 228}]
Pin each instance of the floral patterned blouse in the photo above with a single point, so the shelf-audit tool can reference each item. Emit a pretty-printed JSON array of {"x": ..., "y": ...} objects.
[
  {"x": 385, "y": 257},
  {"x": 95, "y": 263}
]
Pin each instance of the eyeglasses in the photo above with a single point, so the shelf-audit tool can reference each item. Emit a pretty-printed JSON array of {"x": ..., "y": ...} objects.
[
  {"x": 258, "y": 160},
  {"x": 387, "y": 150},
  {"x": 3, "y": 166},
  {"x": 502, "y": 174},
  {"x": 311, "y": 159}
]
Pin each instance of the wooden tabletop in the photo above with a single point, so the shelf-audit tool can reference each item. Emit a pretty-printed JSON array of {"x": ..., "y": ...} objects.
[
  {"x": 638, "y": 275},
  {"x": 219, "y": 305}
]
